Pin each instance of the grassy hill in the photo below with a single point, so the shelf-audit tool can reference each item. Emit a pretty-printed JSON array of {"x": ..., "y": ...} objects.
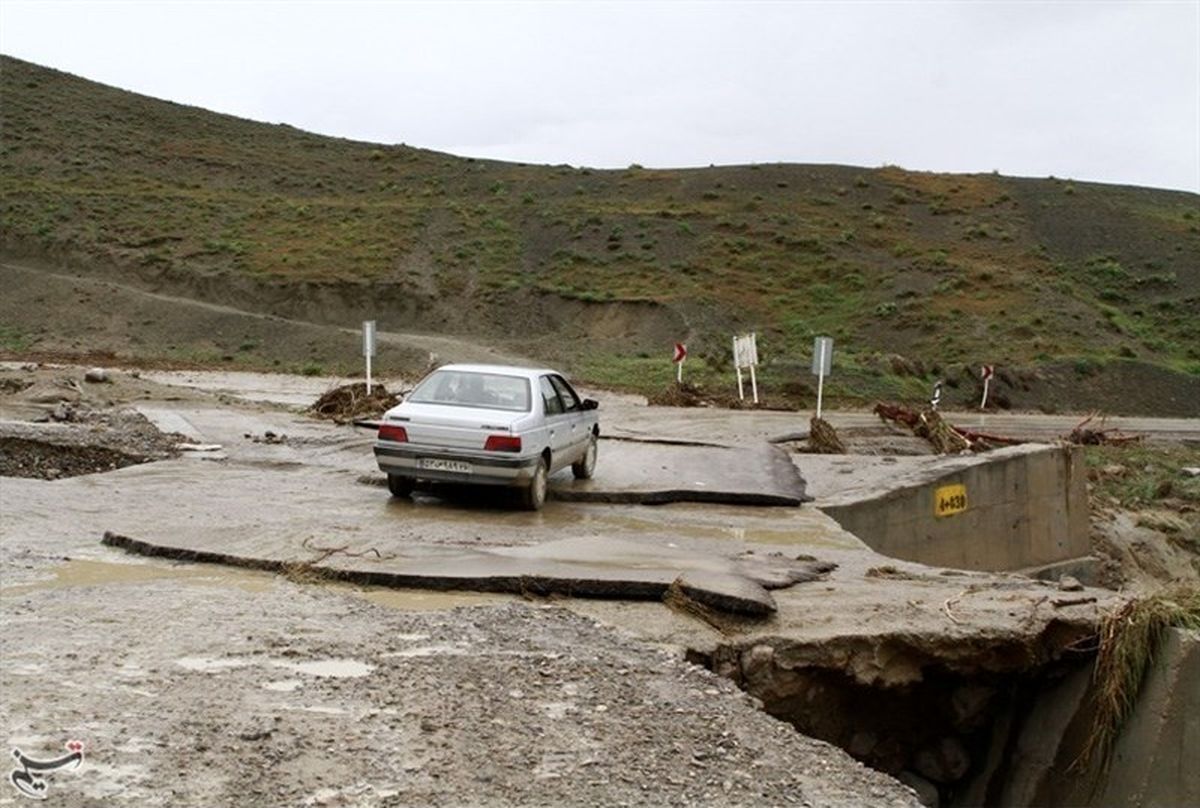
[{"x": 1067, "y": 286}]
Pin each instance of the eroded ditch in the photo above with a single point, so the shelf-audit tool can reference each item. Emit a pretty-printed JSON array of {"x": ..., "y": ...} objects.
[
  {"x": 943, "y": 718},
  {"x": 23, "y": 457},
  {"x": 71, "y": 442}
]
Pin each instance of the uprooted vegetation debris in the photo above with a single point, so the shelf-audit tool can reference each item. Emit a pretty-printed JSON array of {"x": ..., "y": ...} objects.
[
  {"x": 944, "y": 437},
  {"x": 1129, "y": 637},
  {"x": 823, "y": 438},
  {"x": 1083, "y": 435},
  {"x": 346, "y": 402}
]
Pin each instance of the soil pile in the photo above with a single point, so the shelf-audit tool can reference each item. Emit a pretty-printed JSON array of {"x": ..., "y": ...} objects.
[
  {"x": 678, "y": 395},
  {"x": 349, "y": 401}
]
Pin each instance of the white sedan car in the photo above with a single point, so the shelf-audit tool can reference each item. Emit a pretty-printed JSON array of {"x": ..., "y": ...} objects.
[{"x": 488, "y": 424}]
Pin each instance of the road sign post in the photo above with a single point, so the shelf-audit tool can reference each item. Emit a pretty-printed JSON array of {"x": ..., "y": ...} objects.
[
  {"x": 737, "y": 366},
  {"x": 368, "y": 332},
  {"x": 821, "y": 365},
  {"x": 987, "y": 372},
  {"x": 680, "y": 355},
  {"x": 745, "y": 355}
]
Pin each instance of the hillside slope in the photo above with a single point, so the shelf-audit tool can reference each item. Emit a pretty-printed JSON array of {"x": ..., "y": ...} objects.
[{"x": 1066, "y": 284}]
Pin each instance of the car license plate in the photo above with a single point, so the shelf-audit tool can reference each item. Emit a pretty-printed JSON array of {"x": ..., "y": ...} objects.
[{"x": 438, "y": 464}]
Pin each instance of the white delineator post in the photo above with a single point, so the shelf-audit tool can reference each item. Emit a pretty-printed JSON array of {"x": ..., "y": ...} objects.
[
  {"x": 737, "y": 365},
  {"x": 753, "y": 362},
  {"x": 821, "y": 364},
  {"x": 368, "y": 331}
]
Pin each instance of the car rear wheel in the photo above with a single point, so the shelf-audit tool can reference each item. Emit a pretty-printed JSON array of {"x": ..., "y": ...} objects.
[
  {"x": 400, "y": 486},
  {"x": 585, "y": 467},
  {"x": 533, "y": 497}
]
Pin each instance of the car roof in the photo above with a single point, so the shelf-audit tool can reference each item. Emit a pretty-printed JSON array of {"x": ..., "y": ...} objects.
[{"x": 505, "y": 370}]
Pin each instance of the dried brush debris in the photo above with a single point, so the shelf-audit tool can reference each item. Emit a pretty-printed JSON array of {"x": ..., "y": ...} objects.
[
  {"x": 823, "y": 438},
  {"x": 349, "y": 401},
  {"x": 1083, "y": 435}
]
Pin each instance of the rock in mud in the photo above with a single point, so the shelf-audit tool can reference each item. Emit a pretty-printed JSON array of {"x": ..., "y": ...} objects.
[
  {"x": 927, "y": 792},
  {"x": 96, "y": 375},
  {"x": 944, "y": 761},
  {"x": 970, "y": 704},
  {"x": 1069, "y": 583}
]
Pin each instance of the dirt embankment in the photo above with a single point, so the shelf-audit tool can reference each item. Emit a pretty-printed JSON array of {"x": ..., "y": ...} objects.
[
  {"x": 1145, "y": 515},
  {"x": 241, "y": 320}
]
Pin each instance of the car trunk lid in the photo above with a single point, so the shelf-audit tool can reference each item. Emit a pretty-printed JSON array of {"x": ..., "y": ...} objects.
[{"x": 452, "y": 427}]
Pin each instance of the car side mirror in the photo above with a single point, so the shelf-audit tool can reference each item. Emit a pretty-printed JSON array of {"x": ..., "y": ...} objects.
[{"x": 591, "y": 404}]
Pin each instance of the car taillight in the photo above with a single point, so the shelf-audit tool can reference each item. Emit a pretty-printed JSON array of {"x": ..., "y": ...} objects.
[
  {"x": 394, "y": 433},
  {"x": 503, "y": 443}
]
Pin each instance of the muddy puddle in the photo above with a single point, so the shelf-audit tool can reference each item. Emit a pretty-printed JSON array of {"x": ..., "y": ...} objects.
[
  {"x": 487, "y": 510},
  {"x": 80, "y": 572},
  {"x": 715, "y": 526}
]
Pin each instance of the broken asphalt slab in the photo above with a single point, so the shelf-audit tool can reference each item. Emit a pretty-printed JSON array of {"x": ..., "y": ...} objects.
[
  {"x": 658, "y": 471},
  {"x": 653, "y": 473},
  {"x": 579, "y": 567}
]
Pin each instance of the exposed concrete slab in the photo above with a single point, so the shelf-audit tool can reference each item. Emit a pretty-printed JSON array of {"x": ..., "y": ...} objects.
[
  {"x": 169, "y": 420},
  {"x": 578, "y": 567},
  {"x": 650, "y": 473}
]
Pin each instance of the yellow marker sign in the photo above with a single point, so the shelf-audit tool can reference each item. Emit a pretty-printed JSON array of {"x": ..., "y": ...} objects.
[{"x": 949, "y": 500}]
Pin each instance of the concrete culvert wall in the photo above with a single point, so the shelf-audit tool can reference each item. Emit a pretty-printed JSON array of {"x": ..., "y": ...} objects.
[
  {"x": 1024, "y": 506},
  {"x": 1152, "y": 761}
]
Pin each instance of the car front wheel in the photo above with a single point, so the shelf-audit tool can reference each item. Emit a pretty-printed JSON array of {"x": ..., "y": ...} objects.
[
  {"x": 585, "y": 467},
  {"x": 533, "y": 497}
]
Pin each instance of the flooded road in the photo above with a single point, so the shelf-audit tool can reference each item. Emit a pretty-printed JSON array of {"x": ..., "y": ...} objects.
[{"x": 207, "y": 684}]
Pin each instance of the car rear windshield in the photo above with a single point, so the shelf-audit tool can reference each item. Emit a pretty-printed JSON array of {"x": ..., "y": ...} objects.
[{"x": 464, "y": 388}]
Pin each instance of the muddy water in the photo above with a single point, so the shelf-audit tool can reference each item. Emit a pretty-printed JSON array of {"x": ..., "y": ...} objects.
[
  {"x": 80, "y": 572},
  {"x": 708, "y": 525},
  {"x": 487, "y": 512}
]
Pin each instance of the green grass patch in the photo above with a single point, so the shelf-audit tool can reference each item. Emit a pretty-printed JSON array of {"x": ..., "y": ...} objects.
[
  {"x": 12, "y": 339},
  {"x": 1139, "y": 476}
]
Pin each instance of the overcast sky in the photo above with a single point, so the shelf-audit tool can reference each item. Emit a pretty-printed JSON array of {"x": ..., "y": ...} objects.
[{"x": 1106, "y": 91}]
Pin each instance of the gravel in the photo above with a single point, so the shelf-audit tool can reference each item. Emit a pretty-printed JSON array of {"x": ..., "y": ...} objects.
[{"x": 186, "y": 693}]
